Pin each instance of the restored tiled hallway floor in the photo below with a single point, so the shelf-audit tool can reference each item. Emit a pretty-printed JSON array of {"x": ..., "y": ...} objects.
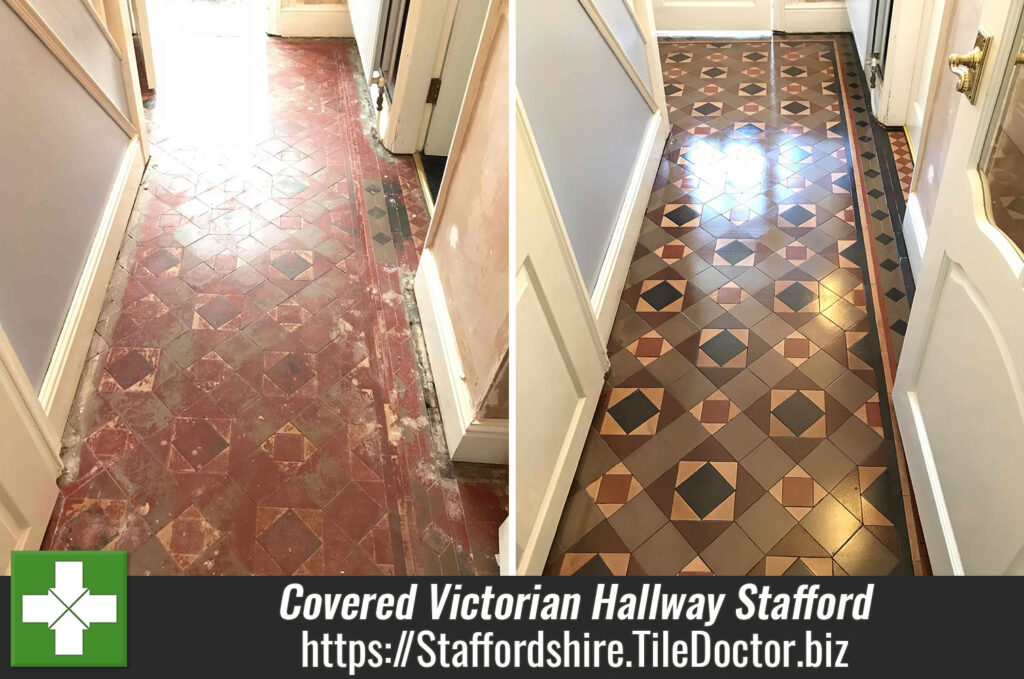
[
  {"x": 252, "y": 403},
  {"x": 745, "y": 426}
]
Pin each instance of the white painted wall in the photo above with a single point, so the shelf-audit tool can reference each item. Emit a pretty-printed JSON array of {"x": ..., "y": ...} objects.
[
  {"x": 859, "y": 12},
  {"x": 587, "y": 117}
]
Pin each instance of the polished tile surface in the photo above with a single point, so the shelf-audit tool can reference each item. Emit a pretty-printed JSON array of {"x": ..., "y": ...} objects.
[
  {"x": 903, "y": 159},
  {"x": 745, "y": 426},
  {"x": 252, "y": 402}
]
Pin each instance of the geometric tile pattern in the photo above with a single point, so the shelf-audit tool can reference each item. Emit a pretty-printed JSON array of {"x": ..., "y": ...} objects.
[
  {"x": 251, "y": 403},
  {"x": 745, "y": 425},
  {"x": 903, "y": 159}
]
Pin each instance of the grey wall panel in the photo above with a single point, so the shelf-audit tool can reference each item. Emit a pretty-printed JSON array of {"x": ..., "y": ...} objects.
[
  {"x": 588, "y": 118},
  {"x": 621, "y": 23},
  {"x": 70, "y": 20},
  {"x": 59, "y": 154}
]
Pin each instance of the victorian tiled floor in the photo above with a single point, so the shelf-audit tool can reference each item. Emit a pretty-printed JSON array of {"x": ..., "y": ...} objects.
[
  {"x": 745, "y": 426},
  {"x": 252, "y": 402}
]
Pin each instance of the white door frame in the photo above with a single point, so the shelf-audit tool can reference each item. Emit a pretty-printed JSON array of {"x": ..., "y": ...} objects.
[
  {"x": 402, "y": 123},
  {"x": 579, "y": 323}
]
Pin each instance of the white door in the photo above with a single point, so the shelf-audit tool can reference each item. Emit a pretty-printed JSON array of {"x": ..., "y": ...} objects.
[
  {"x": 459, "y": 52},
  {"x": 713, "y": 15},
  {"x": 958, "y": 393},
  {"x": 28, "y": 468},
  {"x": 367, "y": 21},
  {"x": 560, "y": 357}
]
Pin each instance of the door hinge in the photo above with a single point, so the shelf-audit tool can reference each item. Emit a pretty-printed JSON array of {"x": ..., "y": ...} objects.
[{"x": 433, "y": 90}]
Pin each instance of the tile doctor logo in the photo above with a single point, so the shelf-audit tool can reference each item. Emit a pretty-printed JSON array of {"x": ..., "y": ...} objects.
[{"x": 69, "y": 609}]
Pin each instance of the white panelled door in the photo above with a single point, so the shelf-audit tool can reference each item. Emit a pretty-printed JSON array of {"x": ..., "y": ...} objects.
[
  {"x": 713, "y": 15},
  {"x": 958, "y": 393},
  {"x": 28, "y": 467},
  {"x": 561, "y": 360}
]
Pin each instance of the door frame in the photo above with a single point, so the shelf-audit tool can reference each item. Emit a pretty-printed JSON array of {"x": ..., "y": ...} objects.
[
  {"x": 598, "y": 310},
  {"x": 402, "y": 120}
]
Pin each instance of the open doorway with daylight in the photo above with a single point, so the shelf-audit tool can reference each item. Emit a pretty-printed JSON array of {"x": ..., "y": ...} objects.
[{"x": 238, "y": 375}]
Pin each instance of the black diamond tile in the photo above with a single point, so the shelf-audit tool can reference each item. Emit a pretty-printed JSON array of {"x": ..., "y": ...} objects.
[
  {"x": 289, "y": 186},
  {"x": 795, "y": 107},
  {"x": 855, "y": 254},
  {"x": 884, "y": 238},
  {"x": 879, "y": 494},
  {"x": 290, "y": 373},
  {"x": 879, "y": 214},
  {"x": 799, "y": 569},
  {"x": 707, "y": 109},
  {"x": 889, "y": 265},
  {"x": 794, "y": 154},
  {"x": 160, "y": 261},
  {"x": 218, "y": 311},
  {"x": 798, "y": 413},
  {"x": 895, "y": 295},
  {"x": 382, "y": 238},
  {"x": 661, "y": 295},
  {"x": 633, "y": 411},
  {"x": 130, "y": 369},
  {"x": 734, "y": 252},
  {"x": 797, "y": 214},
  {"x": 796, "y": 296},
  {"x": 866, "y": 350},
  {"x": 714, "y": 72},
  {"x": 752, "y": 88},
  {"x": 748, "y": 130},
  {"x": 723, "y": 347},
  {"x": 290, "y": 264},
  {"x": 900, "y": 327},
  {"x": 596, "y": 566},
  {"x": 682, "y": 214},
  {"x": 704, "y": 490}
]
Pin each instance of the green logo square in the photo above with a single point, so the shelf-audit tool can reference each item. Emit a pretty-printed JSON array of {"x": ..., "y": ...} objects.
[{"x": 69, "y": 609}]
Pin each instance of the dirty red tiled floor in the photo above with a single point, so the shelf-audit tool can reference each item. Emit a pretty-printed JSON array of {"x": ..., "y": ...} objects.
[{"x": 251, "y": 403}]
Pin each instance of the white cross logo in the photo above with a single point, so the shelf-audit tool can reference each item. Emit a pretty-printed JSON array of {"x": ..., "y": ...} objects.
[{"x": 68, "y": 608}]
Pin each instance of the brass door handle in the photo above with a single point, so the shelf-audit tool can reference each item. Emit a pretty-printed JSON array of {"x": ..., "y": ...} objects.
[{"x": 968, "y": 67}]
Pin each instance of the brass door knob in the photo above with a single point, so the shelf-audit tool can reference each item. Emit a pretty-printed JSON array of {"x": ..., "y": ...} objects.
[{"x": 968, "y": 67}]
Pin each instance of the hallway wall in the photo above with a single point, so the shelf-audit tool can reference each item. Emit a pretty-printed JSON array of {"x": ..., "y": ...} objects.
[
  {"x": 588, "y": 120},
  {"x": 56, "y": 140}
]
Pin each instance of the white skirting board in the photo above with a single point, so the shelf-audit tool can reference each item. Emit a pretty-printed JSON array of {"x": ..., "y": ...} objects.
[
  {"x": 61, "y": 380},
  {"x": 313, "y": 21},
  {"x": 915, "y": 232},
  {"x": 469, "y": 439},
  {"x": 816, "y": 17},
  {"x": 612, "y": 278}
]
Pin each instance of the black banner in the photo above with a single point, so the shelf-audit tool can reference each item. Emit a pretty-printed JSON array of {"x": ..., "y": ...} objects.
[{"x": 435, "y": 626}]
